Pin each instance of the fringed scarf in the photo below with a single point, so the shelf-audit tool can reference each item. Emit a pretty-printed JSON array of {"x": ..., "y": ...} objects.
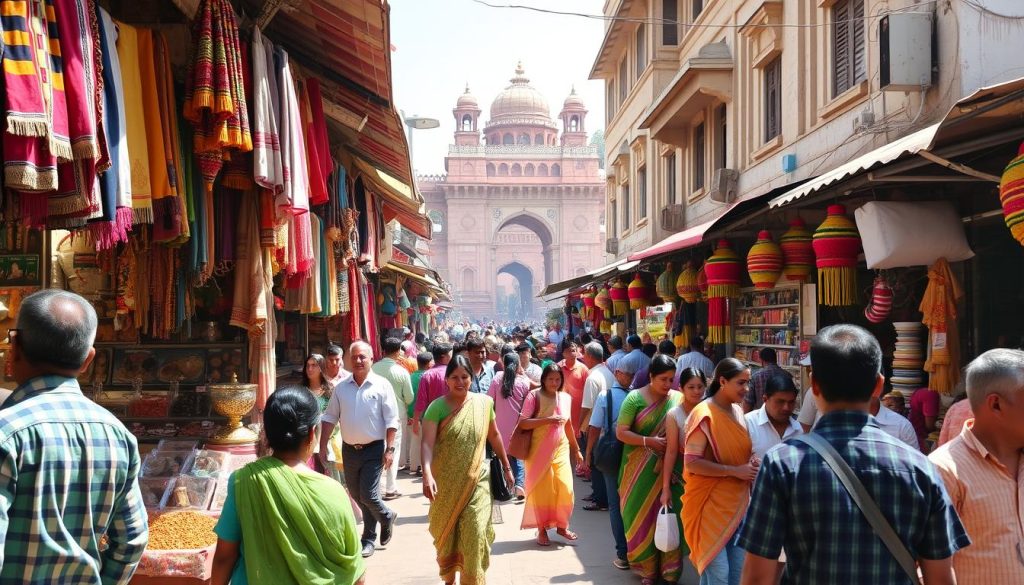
[
  {"x": 159, "y": 159},
  {"x": 238, "y": 169},
  {"x": 265, "y": 134},
  {"x": 214, "y": 91},
  {"x": 79, "y": 73},
  {"x": 295, "y": 198},
  {"x": 135, "y": 120},
  {"x": 317, "y": 149},
  {"x": 169, "y": 225}
]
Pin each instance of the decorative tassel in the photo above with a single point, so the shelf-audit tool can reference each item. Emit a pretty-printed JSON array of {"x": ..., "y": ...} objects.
[
  {"x": 619, "y": 293},
  {"x": 797, "y": 252},
  {"x": 702, "y": 283},
  {"x": 836, "y": 245}
]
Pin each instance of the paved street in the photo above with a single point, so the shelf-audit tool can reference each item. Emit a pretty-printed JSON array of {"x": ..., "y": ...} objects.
[{"x": 515, "y": 558}]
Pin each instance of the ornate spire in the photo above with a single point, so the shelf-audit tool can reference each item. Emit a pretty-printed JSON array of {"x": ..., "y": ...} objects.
[{"x": 520, "y": 77}]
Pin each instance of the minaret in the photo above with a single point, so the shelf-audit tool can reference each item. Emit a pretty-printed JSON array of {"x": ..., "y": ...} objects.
[
  {"x": 574, "y": 115},
  {"x": 467, "y": 114}
]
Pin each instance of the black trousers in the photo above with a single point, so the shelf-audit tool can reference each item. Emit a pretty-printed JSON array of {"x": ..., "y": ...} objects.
[{"x": 363, "y": 469}]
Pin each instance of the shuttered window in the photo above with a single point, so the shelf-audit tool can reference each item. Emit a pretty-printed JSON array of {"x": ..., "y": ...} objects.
[
  {"x": 697, "y": 8},
  {"x": 610, "y": 113},
  {"x": 772, "y": 99},
  {"x": 698, "y": 157},
  {"x": 641, "y": 192},
  {"x": 670, "y": 24},
  {"x": 848, "y": 45},
  {"x": 623, "y": 81},
  {"x": 641, "y": 50},
  {"x": 670, "y": 178},
  {"x": 626, "y": 203}
]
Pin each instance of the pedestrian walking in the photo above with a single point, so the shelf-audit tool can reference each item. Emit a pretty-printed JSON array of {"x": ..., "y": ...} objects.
[
  {"x": 773, "y": 422},
  {"x": 718, "y": 469},
  {"x": 365, "y": 409},
  {"x": 641, "y": 428},
  {"x": 599, "y": 380},
  {"x": 411, "y": 438},
  {"x": 758, "y": 380},
  {"x": 283, "y": 522},
  {"x": 554, "y": 453},
  {"x": 432, "y": 385},
  {"x": 70, "y": 469},
  {"x": 476, "y": 351},
  {"x": 956, "y": 417},
  {"x": 800, "y": 505},
  {"x": 398, "y": 378},
  {"x": 313, "y": 379},
  {"x": 334, "y": 365},
  {"x": 456, "y": 428},
  {"x": 983, "y": 470},
  {"x": 694, "y": 384},
  {"x": 508, "y": 391},
  {"x": 575, "y": 375},
  {"x": 615, "y": 344},
  {"x": 695, "y": 359}
]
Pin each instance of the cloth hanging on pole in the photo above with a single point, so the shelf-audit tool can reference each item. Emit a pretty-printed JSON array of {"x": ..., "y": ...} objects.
[{"x": 939, "y": 306}]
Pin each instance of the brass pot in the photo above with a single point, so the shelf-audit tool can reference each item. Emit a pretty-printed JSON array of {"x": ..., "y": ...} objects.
[{"x": 233, "y": 401}]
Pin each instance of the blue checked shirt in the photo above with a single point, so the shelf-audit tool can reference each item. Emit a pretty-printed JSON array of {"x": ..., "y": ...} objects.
[
  {"x": 68, "y": 474},
  {"x": 798, "y": 503}
]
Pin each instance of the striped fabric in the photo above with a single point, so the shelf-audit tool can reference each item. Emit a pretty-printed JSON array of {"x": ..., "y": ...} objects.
[
  {"x": 990, "y": 502},
  {"x": 68, "y": 475}
]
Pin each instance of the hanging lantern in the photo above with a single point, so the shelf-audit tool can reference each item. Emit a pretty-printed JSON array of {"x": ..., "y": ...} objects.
[
  {"x": 666, "y": 284},
  {"x": 603, "y": 300},
  {"x": 639, "y": 293},
  {"x": 723, "y": 274},
  {"x": 605, "y": 327},
  {"x": 1011, "y": 195},
  {"x": 880, "y": 307},
  {"x": 702, "y": 283},
  {"x": 797, "y": 252},
  {"x": 836, "y": 246},
  {"x": 686, "y": 284},
  {"x": 764, "y": 261},
  {"x": 620, "y": 297},
  {"x": 587, "y": 312}
]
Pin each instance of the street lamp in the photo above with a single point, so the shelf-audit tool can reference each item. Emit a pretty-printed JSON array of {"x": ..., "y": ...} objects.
[{"x": 418, "y": 123}]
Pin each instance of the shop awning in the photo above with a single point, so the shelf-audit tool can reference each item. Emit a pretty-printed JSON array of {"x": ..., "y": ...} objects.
[
  {"x": 566, "y": 286},
  {"x": 988, "y": 110},
  {"x": 678, "y": 241},
  {"x": 399, "y": 200},
  {"x": 414, "y": 273}
]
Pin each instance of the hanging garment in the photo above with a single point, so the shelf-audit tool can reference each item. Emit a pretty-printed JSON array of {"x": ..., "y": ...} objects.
[
  {"x": 135, "y": 120},
  {"x": 169, "y": 224},
  {"x": 265, "y": 135}
]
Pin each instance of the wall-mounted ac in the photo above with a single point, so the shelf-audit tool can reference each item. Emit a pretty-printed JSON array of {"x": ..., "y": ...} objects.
[
  {"x": 723, "y": 186},
  {"x": 611, "y": 246},
  {"x": 905, "y": 51},
  {"x": 673, "y": 217}
]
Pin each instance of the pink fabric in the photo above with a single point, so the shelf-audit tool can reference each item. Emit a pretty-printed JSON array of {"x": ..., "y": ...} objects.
[
  {"x": 432, "y": 387},
  {"x": 923, "y": 403},
  {"x": 506, "y": 410}
]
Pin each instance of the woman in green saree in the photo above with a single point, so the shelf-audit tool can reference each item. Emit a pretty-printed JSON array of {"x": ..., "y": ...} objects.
[
  {"x": 641, "y": 428},
  {"x": 283, "y": 523},
  {"x": 456, "y": 477}
]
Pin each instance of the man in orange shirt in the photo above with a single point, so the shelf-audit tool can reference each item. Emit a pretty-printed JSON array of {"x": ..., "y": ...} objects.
[
  {"x": 983, "y": 469},
  {"x": 575, "y": 374}
]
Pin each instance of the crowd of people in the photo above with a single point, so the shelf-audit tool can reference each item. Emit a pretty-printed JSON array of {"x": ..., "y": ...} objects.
[{"x": 756, "y": 496}]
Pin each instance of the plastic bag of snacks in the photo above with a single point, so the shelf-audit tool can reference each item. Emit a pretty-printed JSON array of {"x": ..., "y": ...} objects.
[
  {"x": 188, "y": 492},
  {"x": 166, "y": 463},
  {"x": 210, "y": 464},
  {"x": 153, "y": 490},
  {"x": 176, "y": 445},
  {"x": 181, "y": 544}
]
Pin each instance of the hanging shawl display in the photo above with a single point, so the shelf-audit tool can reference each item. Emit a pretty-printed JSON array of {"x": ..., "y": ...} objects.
[
  {"x": 666, "y": 283},
  {"x": 686, "y": 283},
  {"x": 880, "y": 306},
  {"x": 1011, "y": 195},
  {"x": 836, "y": 246},
  {"x": 940, "y": 312},
  {"x": 797, "y": 252},
  {"x": 723, "y": 274},
  {"x": 764, "y": 261},
  {"x": 702, "y": 283},
  {"x": 603, "y": 300},
  {"x": 620, "y": 298},
  {"x": 386, "y": 300},
  {"x": 639, "y": 293}
]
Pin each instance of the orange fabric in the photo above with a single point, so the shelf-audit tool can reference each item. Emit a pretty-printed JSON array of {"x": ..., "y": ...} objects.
[
  {"x": 574, "y": 380},
  {"x": 712, "y": 507}
]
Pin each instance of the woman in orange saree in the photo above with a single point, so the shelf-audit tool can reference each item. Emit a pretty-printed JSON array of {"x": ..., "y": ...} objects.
[
  {"x": 549, "y": 491},
  {"x": 719, "y": 469}
]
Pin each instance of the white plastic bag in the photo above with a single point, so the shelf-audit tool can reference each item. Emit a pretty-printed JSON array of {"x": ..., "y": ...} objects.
[{"x": 666, "y": 530}]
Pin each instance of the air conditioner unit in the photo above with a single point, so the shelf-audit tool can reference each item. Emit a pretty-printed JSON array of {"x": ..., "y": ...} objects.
[
  {"x": 905, "y": 51},
  {"x": 673, "y": 217},
  {"x": 723, "y": 186},
  {"x": 611, "y": 246}
]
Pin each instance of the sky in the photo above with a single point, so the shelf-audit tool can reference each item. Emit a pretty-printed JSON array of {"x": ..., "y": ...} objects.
[{"x": 440, "y": 45}]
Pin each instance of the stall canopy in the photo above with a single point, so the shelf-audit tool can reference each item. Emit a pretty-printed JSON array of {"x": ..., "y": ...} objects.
[
  {"x": 987, "y": 110},
  {"x": 400, "y": 200},
  {"x": 595, "y": 275}
]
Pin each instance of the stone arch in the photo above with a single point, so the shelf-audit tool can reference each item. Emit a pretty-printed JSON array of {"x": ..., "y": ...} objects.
[
  {"x": 543, "y": 231},
  {"x": 574, "y": 124},
  {"x": 467, "y": 123},
  {"x": 508, "y": 139},
  {"x": 524, "y": 139},
  {"x": 517, "y": 170},
  {"x": 503, "y": 170},
  {"x": 491, "y": 170},
  {"x": 529, "y": 171},
  {"x": 524, "y": 275},
  {"x": 539, "y": 139},
  {"x": 556, "y": 170},
  {"x": 542, "y": 170}
]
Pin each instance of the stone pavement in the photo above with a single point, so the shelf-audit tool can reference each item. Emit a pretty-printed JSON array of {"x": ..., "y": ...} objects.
[{"x": 515, "y": 557}]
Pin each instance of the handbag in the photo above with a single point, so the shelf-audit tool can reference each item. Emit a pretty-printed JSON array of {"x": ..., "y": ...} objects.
[
  {"x": 863, "y": 500},
  {"x": 500, "y": 491},
  {"x": 666, "y": 530},
  {"x": 608, "y": 451},
  {"x": 519, "y": 443}
]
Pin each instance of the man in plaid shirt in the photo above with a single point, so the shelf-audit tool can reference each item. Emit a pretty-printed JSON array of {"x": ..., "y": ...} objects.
[
  {"x": 68, "y": 469},
  {"x": 799, "y": 504}
]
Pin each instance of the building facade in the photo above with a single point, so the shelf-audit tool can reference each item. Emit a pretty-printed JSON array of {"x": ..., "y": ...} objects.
[
  {"x": 522, "y": 196},
  {"x": 714, "y": 101}
]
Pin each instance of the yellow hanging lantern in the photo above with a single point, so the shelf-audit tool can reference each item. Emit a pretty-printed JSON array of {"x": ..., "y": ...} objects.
[
  {"x": 620, "y": 297},
  {"x": 666, "y": 284},
  {"x": 603, "y": 300},
  {"x": 686, "y": 284},
  {"x": 639, "y": 294}
]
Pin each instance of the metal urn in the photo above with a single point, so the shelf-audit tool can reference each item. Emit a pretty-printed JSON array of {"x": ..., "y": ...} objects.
[{"x": 233, "y": 401}]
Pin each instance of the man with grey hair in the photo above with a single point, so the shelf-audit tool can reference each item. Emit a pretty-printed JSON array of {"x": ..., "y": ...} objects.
[
  {"x": 599, "y": 380},
  {"x": 68, "y": 469},
  {"x": 983, "y": 469}
]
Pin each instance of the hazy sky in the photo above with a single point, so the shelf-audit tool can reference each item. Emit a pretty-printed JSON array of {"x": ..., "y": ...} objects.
[{"x": 440, "y": 45}]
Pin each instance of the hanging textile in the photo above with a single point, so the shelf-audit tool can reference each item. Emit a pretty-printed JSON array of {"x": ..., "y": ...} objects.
[
  {"x": 295, "y": 198},
  {"x": 265, "y": 135},
  {"x": 312, "y": 285},
  {"x": 214, "y": 89},
  {"x": 939, "y": 307},
  {"x": 135, "y": 123},
  {"x": 836, "y": 247},
  {"x": 169, "y": 211},
  {"x": 317, "y": 146},
  {"x": 723, "y": 278}
]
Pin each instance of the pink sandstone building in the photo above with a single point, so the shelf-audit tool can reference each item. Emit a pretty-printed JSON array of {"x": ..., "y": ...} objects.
[{"x": 519, "y": 198}]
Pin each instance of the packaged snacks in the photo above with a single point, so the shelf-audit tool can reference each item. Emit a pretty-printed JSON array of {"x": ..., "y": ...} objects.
[
  {"x": 166, "y": 463},
  {"x": 148, "y": 406},
  {"x": 210, "y": 464},
  {"x": 177, "y": 445},
  {"x": 153, "y": 489},
  {"x": 181, "y": 544},
  {"x": 188, "y": 492}
]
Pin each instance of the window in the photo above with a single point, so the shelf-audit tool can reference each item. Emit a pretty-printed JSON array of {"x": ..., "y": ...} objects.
[
  {"x": 625, "y": 206},
  {"x": 538, "y": 139},
  {"x": 491, "y": 170},
  {"x": 670, "y": 178},
  {"x": 556, "y": 170},
  {"x": 508, "y": 139},
  {"x": 613, "y": 225},
  {"x": 698, "y": 157},
  {"x": 529, "y": 170},
  {"x": 698, "y": 7},
  {"x": 542, "y": 170},
  {"x": 468, "y": 279},
  {"x": 524, "y": 139},
  {"x": 503, "y": 170},
  {"x": 772, "y": 99},
  {"x": 641, "y": 192},
  {"x": 517, "y": 171},
  {"x": 848, "y": 52},
  {"x": 610, "y": 99},
  {"x": 641, "y": 50},
  {"x": 721, "y": 137},
  {"x": 574, "y": 124},
  {"x": 467, "y": 123},
  {"x": 670, "y": 24},
  {"x": 623, "y": 81}
]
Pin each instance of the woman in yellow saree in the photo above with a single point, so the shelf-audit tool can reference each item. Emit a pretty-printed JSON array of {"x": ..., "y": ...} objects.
[
  {"x": 456, "y": 477},
  {"x": 719, "y": 468}
]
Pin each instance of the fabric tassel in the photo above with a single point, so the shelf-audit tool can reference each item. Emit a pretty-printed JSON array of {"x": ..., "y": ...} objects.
[{"x": 836, "y": 246}]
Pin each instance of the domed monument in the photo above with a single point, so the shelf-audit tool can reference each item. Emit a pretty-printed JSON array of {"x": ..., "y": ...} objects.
[{"x": 521, "y": 205}]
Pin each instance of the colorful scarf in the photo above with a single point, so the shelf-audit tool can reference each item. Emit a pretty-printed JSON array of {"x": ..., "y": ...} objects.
[
  {"x": 265, "y": 135},
  {"x": 135, "y": 123},
  {"x": 160, "y": 162},
  {"x": 295, "y": 198},
  {"x": 169, "y": 223},
  {"x": 214, "y": 89},
  {"x": 77, "y": 52},
  {"x": 318, "y": 157}
]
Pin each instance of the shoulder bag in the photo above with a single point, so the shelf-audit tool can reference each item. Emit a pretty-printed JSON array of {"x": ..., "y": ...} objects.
[
  {"x": 500, "y": 491},
  {"x": 608, "y": 451},
  {"x": 863, "y": 500},
  {"x": 519, "y": 443}
]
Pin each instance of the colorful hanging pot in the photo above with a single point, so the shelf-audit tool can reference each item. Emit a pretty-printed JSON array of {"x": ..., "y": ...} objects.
[
  {"x": 880, "y": 306},
  {"x": 666, "y": 284},
  {"x": 587, "y": 312},
  {"x": 836, "y": 246},
  {"x": 603, "y": 299},
  {"x": 639, "y": 293},
  {"x": 686, "y": 284},
  {"x": 1011, "y": 195},
  {"x": 764, "y": 261},
  {"x": 702, "y": 283},
  {"x": 723, "y": 273},
  {"x": 797, "y": 252},
  {"x": 620, "y": 297}
]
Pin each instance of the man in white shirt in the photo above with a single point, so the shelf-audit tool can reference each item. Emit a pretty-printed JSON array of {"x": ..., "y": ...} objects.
[
  {"x": 773, "y": 423},
  {"x": 599, "y": 379},
  {"x": 696, "y": 359},
  {"x": 555, "y": 336},
  {"x": 367, "y": 410},
  {"x": 533, "y": 371}
]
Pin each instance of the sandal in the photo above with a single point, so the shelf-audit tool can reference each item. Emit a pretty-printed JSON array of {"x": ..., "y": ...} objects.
[
  {"x": 567, "y": 534},
  {"x": 542, "y": 538},
  {"x": 595, "y": 508}
]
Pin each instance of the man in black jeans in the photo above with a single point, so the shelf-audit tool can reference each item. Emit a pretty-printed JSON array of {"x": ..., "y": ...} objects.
[{"x": 365, "y": 407}]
